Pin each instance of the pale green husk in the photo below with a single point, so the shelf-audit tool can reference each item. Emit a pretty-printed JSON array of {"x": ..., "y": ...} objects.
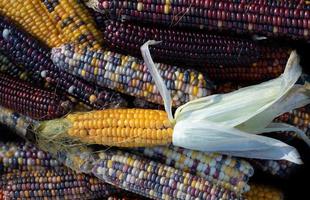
[{"x": 227, "y": 123}]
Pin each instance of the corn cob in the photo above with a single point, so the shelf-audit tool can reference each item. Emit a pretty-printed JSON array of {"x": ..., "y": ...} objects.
[
  {"x": 243, "y": 74},
  {"x": 24, "y": 156},
  {"x": 122, "y": 127},
  {"x": 280, "y": 168},
  {"x": 129, "y": 75},
  {"x": 53, "y": 23},
  {"x": 35, "y": 57},
  {"x": 155, "y": 180},
  {"x": 60, "y": 183},
  {"x": 222, "y": 170},
  {"x": 299, "y": 117},
  {"x": 31, "y": 101},
  {"x": 193, "y": 48},
  {"x": 265, "y": 192},
  {"x": 9, "y": 68},
  {"x": 252, "y": 17},
  {"x": 14, "y": 121},
  {"x": 72, "y": 19}
]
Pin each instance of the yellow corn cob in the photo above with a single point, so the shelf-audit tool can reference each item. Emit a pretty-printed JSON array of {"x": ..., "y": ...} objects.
[
  {"x": 54, "y": 23},
  {"x": 34, "y": 19},
  {"x": 122, "y": 127},
  {"x": 263, "y": 192}
]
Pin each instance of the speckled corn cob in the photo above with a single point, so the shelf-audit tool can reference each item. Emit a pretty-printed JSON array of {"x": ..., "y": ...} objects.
[
  {"x": 280, "y": 168},
  {"x": 24, "y": 156},
  {"x": 259, "y": 192},
  {"x": 31, "y": 101},
  {"x": 11, "y": 69},
  {"x": 154, "y": 180},
  {"x": 35, "y": 57},
  {"x": 222, "y": 170},
  {"x": 193, "y": 48},
  {"x": 53, "y": 22},
  {"x": 122, "y": 127},
  {"x": 60, "y": 183},
  {"x": 129, "y": 75},
  {"x": 14, "y": 121},
  {"x": 299, "y": 117},
  {"x": 73, "y": 21},
  {"x": 268, "y": 18}
]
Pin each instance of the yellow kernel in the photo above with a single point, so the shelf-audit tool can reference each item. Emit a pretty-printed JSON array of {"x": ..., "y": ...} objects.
[{"x": 83, "y": 133}]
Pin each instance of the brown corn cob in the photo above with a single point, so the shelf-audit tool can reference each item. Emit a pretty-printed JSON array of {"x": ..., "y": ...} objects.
[
  {"x": 193, "y": 48},
  {"x": 269, "y": 18},
  {"x": 35, "y": 57},
  {"x": 31, "y": 101}
]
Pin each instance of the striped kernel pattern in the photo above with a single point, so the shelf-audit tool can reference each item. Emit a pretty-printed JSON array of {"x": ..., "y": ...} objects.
[
  {"x": 288, "y": 19},
  {"x": 60, "y": 183},
  {"x": 72, "y": 19},
  {"x": 265, "y": 192},
  {"x": 193, "y": 47},
  {"x": 122, "y": 127},
  {"x": 228, "y": 172},
  {"x": 35, "y": 58},
  {"x": 54, "y": 22},
  {"x": 280, "y": 168},
  {"x": 31, "y": 101},
  {"x": 129, "y": 75},
  {"x": 155, "y": 180}
]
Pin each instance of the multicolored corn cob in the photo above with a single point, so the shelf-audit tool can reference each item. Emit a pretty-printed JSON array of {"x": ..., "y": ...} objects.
[
  {"x": 193, "y": 48},
  {"x": 35, "y": 57},
  {"x": 280, "y": 168},
  {"x": 288, "y": 19},
  {"x": 24, "y": 156},
  {"x": 60, "y": 183},
  {"x": 54, "y": 22},
  {"x": 299, "y": 117},
  {"x": 155, "y": 180},
  {"x": 31, "y": 101},
  {"x": 13, "y": 70},
  {"x": 129, "y": 75},
  {"x": 265, "y": 192},
  {"x": 15, "y": 122},
  {"x": 228, "y": 172}
]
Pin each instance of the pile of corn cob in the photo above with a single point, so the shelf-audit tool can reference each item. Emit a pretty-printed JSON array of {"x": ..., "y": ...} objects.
[{"x": 55, "y": 55}]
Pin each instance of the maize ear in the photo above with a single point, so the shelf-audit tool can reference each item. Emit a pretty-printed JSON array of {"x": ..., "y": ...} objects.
[
  {"x": 129, "y": 75},
  {"x": 265, "y": 192},
  {"x": 193, "y": 48},
  {"x": 154, "y": 180},
  {"x": 53, "y": 22},
  {"x": 285, "y": 19},
  {"x": 122, "y": 127},
  {"x": 31, "y": 101},
  {"x": 226, "y": 171},
  {"x": 35, "y": 58}
]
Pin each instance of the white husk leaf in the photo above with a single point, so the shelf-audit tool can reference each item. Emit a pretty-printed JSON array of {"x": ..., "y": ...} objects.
[{"x": 227, "y": 123}]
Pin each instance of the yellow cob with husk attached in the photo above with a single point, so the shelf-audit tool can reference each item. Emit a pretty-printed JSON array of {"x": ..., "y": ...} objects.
[{"x": 225, "y": 123}]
